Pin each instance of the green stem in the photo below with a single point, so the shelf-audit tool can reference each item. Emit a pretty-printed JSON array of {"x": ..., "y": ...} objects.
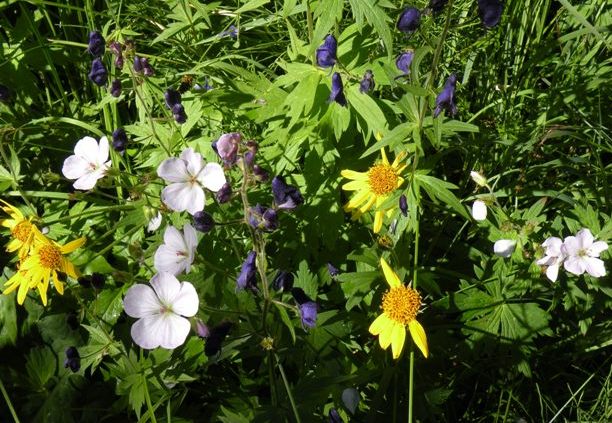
[
  {"x": 288, "y": 388},
  {"x": 8, "y": 402},
  {"x": 148, "y": 400},
  {"x": 414, "y": 286},
  {"x": 310, "y": 25}
]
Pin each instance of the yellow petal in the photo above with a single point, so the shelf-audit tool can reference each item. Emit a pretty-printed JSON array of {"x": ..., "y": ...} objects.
[
  {"x": 392, "y": 279},
  {"x": 356, "y": 200},
  {"x": 385, "y": 336},
  {"x": 351, "y": 174},
  {"x": 23, "y": 291},
  {"x": 419, "y": 337},
  {"x": 400, "y": 181},
  {"x": 397, "y": 340},
  {"x": 368, "y": 205},
  {"x": 378, "y": 221},
  {"x": 355, "y": 185},
  {"x": 398, "y": 159},
  {"x": 384, "y": 156},
  {"x": 59, "y": 286},
  {"x": 73, "y": 245},
  {"x": 379, "y": 324}
]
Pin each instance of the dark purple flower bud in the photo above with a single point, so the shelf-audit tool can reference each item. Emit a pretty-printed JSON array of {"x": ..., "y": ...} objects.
[
  {"x": 409, "y": 20},
  {"x": 214, "y": 147},
  {"x": 337, "y": 90},
  {"x": 270, "y": 219},
  {"x": 249, "y": 158},
  {"x": 146, "y": 67},
  {"x": 404, "y": 60},
  {"x": 263, "y": 218},
  {"x": 96, "y": 44},
  {"x": 231, "y": 32},
  {"x": 120, "y": 140},
  {"x": 446, "y": 99},
  {"x": 201, "y": 329},
  {"x": 216, "y": 337},
  {"x": 178, "y": 112},
  {"x": 490, "y": 12},
  {"x": 333, "y": 270},
  {"x": 326, "y": 54},
  {"x": 286, "y": 197},
  {"x": 172, "y": 98},
  {"x": 98, "y": 74},
  {"x": 5, "y": 94},
  {"x": 334, "y": 417},
  {"x": 73, "y": 359},
  {"x": 115, "y": 88},
  {"x": 260, "y": 173},
  {"x": 283, "y": 281},
  {"x": 403, "y": 205},
  {"x": 308, "y": 308},
  {"x": 227, "y": 147},
  {"x": 138, "y": 64},
  {"x": 224, "y": 194},
  {"x": 248, "y": 273},
  {"x": 203, "y": 221},
  {"x": 367, "y": 83},
  {"x": 115, "y": 48},
  {"x": 118, "y": 62},
  {"x": 436, "y": 6}
]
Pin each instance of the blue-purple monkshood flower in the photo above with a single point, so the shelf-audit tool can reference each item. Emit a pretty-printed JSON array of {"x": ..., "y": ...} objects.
[
  {"x": 367, "y": 83},
  {"x": 98, "y": 74},
  {"x": 333, "y": 270},
  {"x": 446, "y": 99},
  {"x": 201, "y": 329},
  {"x": 172, "y": 97},
  {"x": 337, "y": 90},
  {"x": 248, "y": 273},
  {"x": 224, "y": 194},
  {"x": 96, "y": 44},
  {"x": 231, "y": 32},
  {"x": 178, "y": 112},
  {"x": 216, "y": 337},
  {"x": 403, "y": 62},
  {"x": 326, "y": 53},
  {"x": 409, "y": 20},
  {"x": 403, "y": 205},
  {"x": 203, "y": 221},
  {"x": 115, "y": 88},
  {"x": 286, "y": 197},
  {"x": 436, "y": 6},
  {"x": 73, "y": 359},
  {"x": 120, "y": 140},
  {"x": 5, "y": 94},
  {"x": 490, "y": 12},
  {"x": 334, "y": 417},
  {"x": 117, "y": 50},
  {"x": 138, "y": 64},
  {"x": 261, "y": 174},
  {"x": 283, "y": 281},
  {"x": 205, "y": 87},
  {"x": 227, "y": 147},
  {"x": 263, "y": 218},
  {"x": 147, "y": 70},
  {"x": 308, "y": 308}
]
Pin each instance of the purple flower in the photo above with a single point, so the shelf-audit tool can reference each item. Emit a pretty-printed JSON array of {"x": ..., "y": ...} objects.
[
  {"x": 283, "y": 281},
  {"x": 232, "y": 32},
  {"x": 201, "y": 329},
  {"x": 490, "y": 12},
  {"x": 367, "y": 83},
  {"x": 120, "y": 140},
  {"x": 73, "y": 359},
  {"x": 115, "y": 88},
  {"x": 98, "y": 74},
  {"x": 172, "y": 97},
  {"x": 326, "y": 53},
  {"x": 404, "y": 60},
  {"x": 308, "y": 308},
  {"x": 203, "y": 221},
  {"x": 286, "y": 197},
  {"x": 178, "y": 112},
  {"x": 5, "y": 94},
  {"x": 260, "y": 173},
  {"x": 247, "y": 277},
  {"x": 116, "y": 49},
  {"x": 205, "y": 87},
  {"x": 409, "y": 20},
  {"x": 263, "y": 218},
  {"x": 224, "y": 194},
  {"x": 227, "y": 147},
  {"x": 138, "y": 64},
  {"x": 403, "y": 205},
  {"x": 337, "y": 90},
  {"x": 96, "y": 44},
  {"x": 333, "y": 270},
  {"x": 446, "y": 99},
  {"x": 436, "y": 6},
  {"x": 334, "y": 417},
  {"x": 146, "y": 67},
  {"x": 216, "y": 337}
]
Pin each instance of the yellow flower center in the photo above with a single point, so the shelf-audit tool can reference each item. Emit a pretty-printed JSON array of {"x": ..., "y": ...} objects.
[
  {"x": 401, "y": 304},
  {"x": 22, "y": 230},
  {"x": 50, "y": 256},
  {"x": 382, "y": 179}
]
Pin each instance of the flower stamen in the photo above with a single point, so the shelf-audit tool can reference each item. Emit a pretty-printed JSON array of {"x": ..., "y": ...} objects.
[
  {"x": 22, "y": 230},
  {"x": 401, "y": 304},
  {"x": 382, "y": 179},
  {"x": 50, "y": 256}
]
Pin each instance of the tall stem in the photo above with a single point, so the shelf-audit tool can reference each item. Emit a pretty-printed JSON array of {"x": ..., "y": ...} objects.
[
  {"x": 288, "y": 389},
  {"x": 8, "y": 402},
  {"x": 414, "y": 285}
]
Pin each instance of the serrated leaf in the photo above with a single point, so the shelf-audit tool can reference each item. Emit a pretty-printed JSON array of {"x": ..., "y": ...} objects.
[
  {"x": 368, "y": 109},
  {"x": 440, "y": 190},
  {"x": 396, "y": 136}
]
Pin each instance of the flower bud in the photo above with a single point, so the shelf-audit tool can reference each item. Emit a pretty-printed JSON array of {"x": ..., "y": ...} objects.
[
  {"x": 201, "y": 329},
  {"x": 333, "y": 270},
  {"x": 227, "y": 147},
  {"x": 283, "y": 281},
  {"x": 120, "y": 140},
  {"x": 172, "y": 98},
  {"x": 98, "y": 74},
  {"x": 286, "y": 197},
  {"x": 96, "y": 44},
  {"x": 403, "y": 61},
  {"x": 224, "y": 194},
  {"x": 504, "y": 247},
  {"x": 326, "y": 53},
  {"x": 73, "y": 359},
  {"x": 178, "y": 112},
  {"x": 137, "y": 64},
  {"x": 478, "y": 178},
  {"x": 479, "y": 210},
  {"x": 248, "y": 273},
  {"x": 367, "y": 83},
  {"x": 308, "y": 309},
  {"x": 203, "y": 221},
  {"x": 403, "y": 205},
  {"x": 409, "y": 20},
  {"x": 260, "y": 173},
  {"x": 337, "y": 90},
  {"x": 115, "y": 88},
  {"x": 146, "y": 67},
  {"x": 263, "y": 218},
  {"x": 490, "y": 12},
  {"x": 446, "y": 99}
]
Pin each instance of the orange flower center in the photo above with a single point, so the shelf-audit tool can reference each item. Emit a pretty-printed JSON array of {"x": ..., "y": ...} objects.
[
  {"x": 401, "y": 304},
  {"x": 22, "y": 230},
  {"x": 50, "y": 256},
  {"x": 382, "y": 179}
]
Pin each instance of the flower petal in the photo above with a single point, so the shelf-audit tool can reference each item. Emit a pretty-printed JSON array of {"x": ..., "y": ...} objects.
[
  {"x": 212, "y": 177},
  {"x": 585, "y": 238},
  {"x": 418, "y": 336},
  {"x": 594, "y": 267},
  {"x": 102, "y": 151},
  {"x": 354, "y": 185},
  {"x": 575, "y": 265},
  {"x": 553, "y": 246},
  {"x": 88, "y": 180},
  {"x": 378, "y": 221},
  {"x": 351, "y": 174},
  {"x": 173, "y": 170},
  {"x": 87, "y": 148},
  {"x": 192, "y": 160},
  {"x": 479, "y": 210},
  {"x": 571, "y": 246},
  {"x": 141, "y": 301},
  {"x": 184, "y": 196},
  {"x": 74, "y": 167},
  {"x": 552, "y": 272},
  {"x": 166, "y": 286},
  {"x": 167, "y": 260},
  {"x": 597, "y": 248},
  {"x": 385, "y": 336},
  {"x": 190, "y": 238},
  {"x": 186, "y": 302},
  {"x": 392, "y": 279},
  {"x": 166, "y": 330},
  {"x": 379, "y": 324},
  {"x": 398, "y": 337}
]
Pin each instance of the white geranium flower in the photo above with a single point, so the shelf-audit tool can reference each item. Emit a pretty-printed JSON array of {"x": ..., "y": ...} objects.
[
  {"x": 504, "y": 247},
  {"x": 177, "y": 252},
  {"x": 479, "y": 210},
  {"x": 582, "y": 253},
  {"x": 88, "y": 163},
  {"x": 155, "y": 222},
  {"x": 160, "y": 311},
  {"x": 553, "y": 257},
  {"x": 188, "y": 178}
]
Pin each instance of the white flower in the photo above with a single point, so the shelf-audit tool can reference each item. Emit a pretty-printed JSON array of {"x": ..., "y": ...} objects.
[
  {"x": 582, "y": 254},
  {"x": 504, "y": 247},
  {"x": 159, "y": 311},
  {"x": 479, "y": 210},
  {"x": 553, "y": 257},
  {"x": 155, "y": 222},
  {"x": 478, "y": 178},
  {"x": 188, "y": 177},
  {"x": 177, "y": 252},
  {"x": 88, "y": 163}
]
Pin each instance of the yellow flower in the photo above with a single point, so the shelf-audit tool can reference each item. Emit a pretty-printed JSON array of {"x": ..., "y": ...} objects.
[
  {"x": 400, "y": 307},
  {"x": 23, "y": 231},
  {"x": 373, "y": 187},
  {"x": 45, "y": 261}
]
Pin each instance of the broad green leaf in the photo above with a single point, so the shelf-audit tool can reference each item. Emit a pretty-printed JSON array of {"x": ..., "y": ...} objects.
[
  {"x": 368, "y": 109},
  {"x": 252, "y": 5},
  {"x": 392, "y": 139},
  {"x": 286, "y": 320},
  {"x": 438, "y": 189}
]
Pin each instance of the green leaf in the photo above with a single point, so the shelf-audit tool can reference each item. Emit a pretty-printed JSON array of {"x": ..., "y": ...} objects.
[
  {"x": 40, "y": 366},
  {"x": 328, "y": 13},
  {"x": 252, "y": 5},
  {"x": 368, "y": 109},
  {"x": 376, "y": 17},
  {"x": 440, "y": 190},
  {"x": 8, "y": 320},
  {"x": 286, "y": 320},
  {"x": 398, "y": 135}
]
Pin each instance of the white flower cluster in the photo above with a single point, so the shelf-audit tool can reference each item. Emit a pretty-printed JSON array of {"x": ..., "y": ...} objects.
[{"x": 578, "y": 254}]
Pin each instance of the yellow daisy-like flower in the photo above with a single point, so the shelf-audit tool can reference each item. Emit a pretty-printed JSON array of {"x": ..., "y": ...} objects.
[
  {"x": 23, "y": 231},
  {"x": 45, "y": 261},
  {"x": 400, "y": 307},
  {"x": 373, "y": 187}
]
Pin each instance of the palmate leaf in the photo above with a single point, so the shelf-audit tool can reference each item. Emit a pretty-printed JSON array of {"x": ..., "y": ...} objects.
[
  {"x": 375, "y": 15},
  {"x": 438, "y": 189}
]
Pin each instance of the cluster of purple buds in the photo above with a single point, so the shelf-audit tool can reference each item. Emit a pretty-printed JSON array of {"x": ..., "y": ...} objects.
[
  {"x": 490, "y": 12},
  {"x": 247, "y": 279},
  {"x": 308, "y": 308},
  {"x": 173, "y": 102},
  {"x": 117, "y": 50},
  {"x": 73, "y": 359},
  {"x": 120, "y": 140},
  {"x": 337, "y": 90},
  {"x": 446, "y": 99},
  {"x": 409, "y": 20},
  {"x": 5, "y": 94},
  {"x": 98, "y": 74},
  {"x": 115, "y": 88},
  {"x": 203, "y": 222},
  {"x": 263, "y": 218},
  {"x": 403, "y": 62},
  {"x": 367, "y": 83},
  {"x": 96, "y": 46},
  {"x": 326, "y": 53},
  {"x": 141, "y": 64}
]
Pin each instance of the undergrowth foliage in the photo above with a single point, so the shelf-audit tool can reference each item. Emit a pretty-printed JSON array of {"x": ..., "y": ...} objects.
[{"x": 282, "y": 210}]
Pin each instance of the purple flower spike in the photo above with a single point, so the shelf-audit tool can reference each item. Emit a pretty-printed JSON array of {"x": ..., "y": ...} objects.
[
  {"x": 490, "y": 12},
  {"x": 73, "y": 359},
  {"x": 227, "y": 147},
  {"x": 446, "y": 99},
  {"x": 286, "y": 197},
  {"x": 172, "y": 97},
  {"x": 115, "y": 88},
  {"x": 247, "y": 277},
  {"x": 308, "y": 308},
  {"x": 178, "y": 112},
  {"x": 98, "y": 74},
  {"x": 224, "y": 194},
  {"x": 138, "y": 64},
  {"x": 404, "y": 61},
  {"x": 367, "y": 83},
  {"x": 97, "y": 44},
  {"x": 326, "y": 53},
  {"x": 337, "y": 90},
  {"x": 409, "y": 20},
  {"x": 203, "y": 222},
  {"x": 120, "y": 140}
]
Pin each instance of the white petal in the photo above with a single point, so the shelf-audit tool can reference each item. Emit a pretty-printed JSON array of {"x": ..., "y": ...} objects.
[
  {"x": 173, "y": 331},
  {"x": 186, "y": 302},
  {"x": 193, "y": 161},
  {"x": 87, "y": 148},
  {"x": 102, "y": 151},
  {"x": 585, "y": 237},
  {"x": 571, "y": 246},
  {"x": 545, "y": 261},
  {"x": 552, "y": 272},
  {"x": 212, "y": 177},
  {"x": 154, "y": 223},
  {"x": 504, "y": 247},
  {"x": 173, "y": 238},
  {"x": 74, "y": 167},
  {"x": 168, "y": 260},
  {"x": 479, "y": 210},
  {"x": 173, "y": 170},
  {"x": 597, "y": 248},
  {"x": 166, "y": 286},
  {"x": 553, "y": 246},
  {"x": 184, "y": 196},
  {"x": 478, "y": 178},
  {"x": 88, "y": 181},
  {"x": 145, "y": 332},
  {"x": 594, "y": 267},
  {"x": 574, "y": 265},
  {"x": 141, "y": 301},
  {"x": 190, "y": 237}
]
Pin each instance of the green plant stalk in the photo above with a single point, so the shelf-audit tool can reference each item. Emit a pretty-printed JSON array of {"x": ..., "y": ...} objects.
[
  {"x": 414, "y": 286},
  {"x": 310, "y": 28},
  {"x": 288, "y": 389},
  {"x": 148, "y": 400},
  {"x": 8, "y": 402}
]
